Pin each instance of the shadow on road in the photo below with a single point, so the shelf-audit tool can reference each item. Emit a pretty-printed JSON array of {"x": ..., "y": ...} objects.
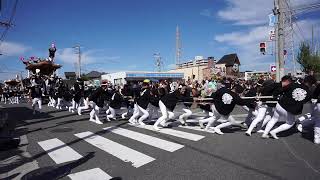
[
  {"x": 57, "y": 125},
  {"x": 231, "y": 161},
  {"x": 56, "y": 172},
  {"x": 70, "y": 143}
]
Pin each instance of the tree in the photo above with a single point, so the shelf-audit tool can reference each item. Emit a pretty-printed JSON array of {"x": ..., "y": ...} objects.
[
  {"x": 84, "y": 77},
  {"x": 309, "y": 61}
]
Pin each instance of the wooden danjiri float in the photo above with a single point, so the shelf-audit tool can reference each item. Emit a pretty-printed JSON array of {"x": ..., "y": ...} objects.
[
  {"x": 46, "y": 66},
  {"x": 12, "y": 82}
]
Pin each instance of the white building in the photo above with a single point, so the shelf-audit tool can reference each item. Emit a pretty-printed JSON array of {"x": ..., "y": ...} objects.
[
  {"x": 119, "y": 78},
  {"x": 193, "y": 69}
]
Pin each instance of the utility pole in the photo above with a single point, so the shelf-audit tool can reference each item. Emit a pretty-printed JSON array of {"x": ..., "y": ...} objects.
[
  {"x": 312, "y": 45},
  {"x": 75, "y": 64},
  {"x": 78, "y": 51},
  {"x": 292, "y": 46},
  {"x": 279, "y": 31},
  {"x": 293, "y": 57}
]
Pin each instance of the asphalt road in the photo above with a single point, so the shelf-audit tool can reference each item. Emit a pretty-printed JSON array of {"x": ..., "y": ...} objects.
[{"x": 229, "y": 156}]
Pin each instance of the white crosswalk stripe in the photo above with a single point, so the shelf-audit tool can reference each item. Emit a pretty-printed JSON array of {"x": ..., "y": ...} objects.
[
  {"x": 59, "y": 151},
  {"x": 91, "y": 174},
  {"x": 120, "y": 151},
  {"x": 176, "y": 133},
  {"x": 146, "y": 139},
  {"x": 197, "y": 128}
]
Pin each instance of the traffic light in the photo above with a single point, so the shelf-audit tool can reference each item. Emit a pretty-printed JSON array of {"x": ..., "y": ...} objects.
[{"x": 263, "y": 47}]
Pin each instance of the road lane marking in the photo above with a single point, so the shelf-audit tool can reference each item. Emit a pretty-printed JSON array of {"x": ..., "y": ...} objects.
[
  {"x": 120, "y": 151},
  {"x": 146, "y": 139},
  {"x": 59, "y": 151},
  {"x": 172, "y": 132},
  {"x": 91, "y": 174},
  {"x": 196, "y": 128}
]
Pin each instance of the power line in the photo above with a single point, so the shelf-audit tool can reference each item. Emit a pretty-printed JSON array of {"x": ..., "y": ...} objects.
[
  {"x": 9, "y": 23},
  {"x": 300, "y": 31},
  {"x": 302, "y": 8}
]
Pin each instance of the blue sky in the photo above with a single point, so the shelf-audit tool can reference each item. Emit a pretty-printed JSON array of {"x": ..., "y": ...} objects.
[{"x": 124, "y": 34}]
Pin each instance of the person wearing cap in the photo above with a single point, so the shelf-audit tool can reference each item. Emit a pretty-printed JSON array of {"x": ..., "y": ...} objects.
[
  {"x": 142, "y": 104},
  {"x": 290, "y": 104},
  {"x": 97, "y": 99},
  {"x": 224, "y": 101}
]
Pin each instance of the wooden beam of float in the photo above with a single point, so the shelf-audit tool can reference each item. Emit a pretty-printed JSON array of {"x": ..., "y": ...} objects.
[
  {"x": 254, "y": 97},
  {"x": 46, "y": 67}
]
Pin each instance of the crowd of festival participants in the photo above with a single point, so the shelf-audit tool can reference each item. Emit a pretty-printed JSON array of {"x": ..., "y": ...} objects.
[{"x": 266, "y": 101}]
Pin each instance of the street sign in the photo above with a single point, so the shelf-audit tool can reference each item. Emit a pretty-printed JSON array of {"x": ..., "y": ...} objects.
[
  {"x": 272, "y": 20},
  {"x": 273, "y": 68},
  {"x": 272, "y": 34}
]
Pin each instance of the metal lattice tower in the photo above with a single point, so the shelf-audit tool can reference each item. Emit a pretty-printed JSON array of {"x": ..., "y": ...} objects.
[
  {"x": 78, "y": 51},
  {"x": 178, "y": 46},
  {"x": 158, "y": 62}
]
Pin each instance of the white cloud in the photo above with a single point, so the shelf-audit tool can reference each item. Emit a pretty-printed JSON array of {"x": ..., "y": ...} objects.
[
  {"x": 10, "y": 75},
  {"x": 252, "y": 12},
  {"x": 206, "y": 12},
  {"x": 112, "y": 57},
  {"x": 242, "y": 38},
  {"x": 247, "y": 12},
  {"x": 68, "y": 55},
  {"x": 171, "y": 66},
  {"x": 247, "y": 42},
  {"x": 13, "y": 49},
  {"x": 303, "y": 28}
]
